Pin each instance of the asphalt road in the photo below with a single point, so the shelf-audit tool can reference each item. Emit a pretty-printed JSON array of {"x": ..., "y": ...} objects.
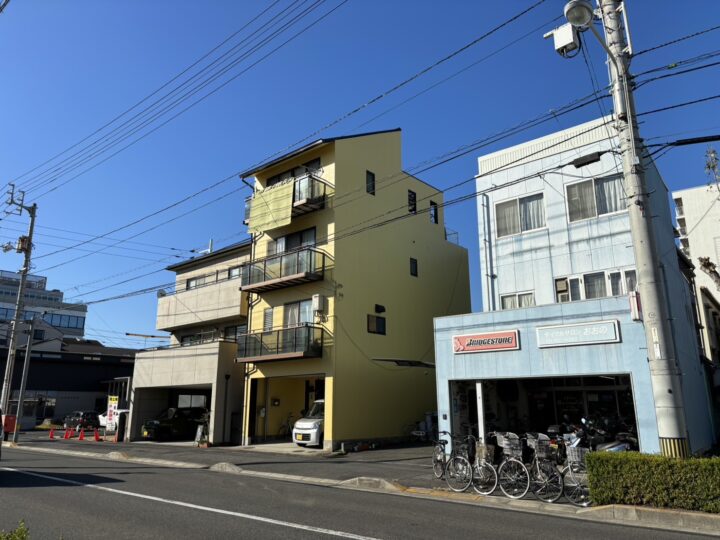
[{"x": 68, "y": 497}]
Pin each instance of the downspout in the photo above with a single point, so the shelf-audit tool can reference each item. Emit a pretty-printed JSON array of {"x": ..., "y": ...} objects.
[{"x": 489, "y": 273}]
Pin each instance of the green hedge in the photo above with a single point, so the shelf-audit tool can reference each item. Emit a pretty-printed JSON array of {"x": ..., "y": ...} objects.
[{"x": 634, "y": 478}]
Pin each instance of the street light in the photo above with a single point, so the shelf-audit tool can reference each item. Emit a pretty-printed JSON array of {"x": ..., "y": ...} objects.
[{"x": 579, "y": 13}]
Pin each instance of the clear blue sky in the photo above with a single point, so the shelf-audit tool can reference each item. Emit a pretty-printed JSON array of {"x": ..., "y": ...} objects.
[{"x": 69, "y": 67}]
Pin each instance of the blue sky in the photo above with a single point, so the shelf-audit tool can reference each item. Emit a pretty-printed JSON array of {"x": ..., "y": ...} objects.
[{"x": 70, "y": 67}]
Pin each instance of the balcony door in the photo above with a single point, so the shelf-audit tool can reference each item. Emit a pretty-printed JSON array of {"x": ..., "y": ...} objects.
[
  {"x": 297, "y": 260},
  {"x": 296, "y": 317}
]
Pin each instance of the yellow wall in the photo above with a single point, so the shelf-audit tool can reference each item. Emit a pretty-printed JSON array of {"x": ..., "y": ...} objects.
[{"x": 363, "y": 398}]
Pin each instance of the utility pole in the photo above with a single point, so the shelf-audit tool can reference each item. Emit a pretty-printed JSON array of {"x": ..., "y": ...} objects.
[
  {"x": 23, "y": 382},
  {"x": 24, "y": 245},
  {"x": 664, "y": 371}
]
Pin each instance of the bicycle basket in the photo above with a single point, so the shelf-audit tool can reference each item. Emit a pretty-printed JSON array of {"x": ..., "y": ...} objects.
[
  {"x": 576, "y": 454},
  {"x": 541, "y": 447},
  {"x": 485, "y": 452},
  {"x": 511, "y": 444}
]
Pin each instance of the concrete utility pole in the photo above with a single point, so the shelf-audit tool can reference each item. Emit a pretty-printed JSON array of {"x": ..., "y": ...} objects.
[
  {"x": 24, "y": 246},
  {"x": 23, "y": 381},
  {"x": 664, "y": 371}
]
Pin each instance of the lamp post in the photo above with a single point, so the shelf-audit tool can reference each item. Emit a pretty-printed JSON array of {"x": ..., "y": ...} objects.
[{"x": 664, "y": 372}]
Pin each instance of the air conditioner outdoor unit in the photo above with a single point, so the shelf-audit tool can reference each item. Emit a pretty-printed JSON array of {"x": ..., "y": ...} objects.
[
  {"x": 561, "y": 285},
  {"x": 318, "y": 303}
]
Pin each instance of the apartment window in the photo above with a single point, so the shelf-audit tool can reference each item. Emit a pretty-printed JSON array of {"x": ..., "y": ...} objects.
[
  {"x": 370, "y": 182},
  {"x": 234, "y": 272},
  {"x": 413, "y": 267},
  {"x": 295, "y": 172},
  {"x": 595, "y": 197},
  {"x": 297, "y": 313},
  {"x": 433, "y": 212},
  {"x": 412, "y": 202},
  {"x": 292, "y": 241},
  {"x": 595, "y": 285},
  {"x": 195, "y": 282},
  {"x": 517, "y": 300},
  {"x": 38, "y": 335},
  {"x": 520, "y": 215},
  {"x": 375, "y": 324},
  {"x": 268, "y": 319},
  {"x": 233, "y": 333}
]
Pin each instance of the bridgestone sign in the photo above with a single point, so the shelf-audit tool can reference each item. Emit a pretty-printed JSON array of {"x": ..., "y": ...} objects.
[{"x": 507, "y": 340}]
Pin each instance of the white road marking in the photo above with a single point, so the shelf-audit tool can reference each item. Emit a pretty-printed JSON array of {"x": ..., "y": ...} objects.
[{"x": 242, "y": 515}]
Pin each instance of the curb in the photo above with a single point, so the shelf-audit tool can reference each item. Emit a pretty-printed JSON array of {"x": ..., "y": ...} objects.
[{"x": 633, "y": 516}]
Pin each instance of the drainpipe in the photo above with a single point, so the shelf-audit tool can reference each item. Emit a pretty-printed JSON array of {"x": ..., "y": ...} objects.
[
  {"x": 489, "y": 274},
  {"x": 225, "y": 411}
]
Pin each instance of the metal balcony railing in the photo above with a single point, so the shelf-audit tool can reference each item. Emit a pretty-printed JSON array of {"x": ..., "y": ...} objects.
[
  {"x": 302, "y": 341},
  {"x": 283, "y": 270}
]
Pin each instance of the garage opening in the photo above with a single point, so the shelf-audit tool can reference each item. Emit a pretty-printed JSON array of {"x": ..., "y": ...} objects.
[
  {"x": 542, "y": 404},
  {"x": 170, "y": 413},
  {"x": 277, "y": 402}
]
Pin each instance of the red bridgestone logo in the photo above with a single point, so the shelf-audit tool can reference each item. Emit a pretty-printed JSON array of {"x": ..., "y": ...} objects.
[{"x": 494, "y": 341}]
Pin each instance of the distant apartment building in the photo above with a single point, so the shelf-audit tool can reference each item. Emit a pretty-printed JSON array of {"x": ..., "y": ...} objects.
[
  {"x": 205, "y": 314},
  {"x": 697, "y": 212},
  {"x": 561, "y": 336},
  {"x": 46, "y": 306}
]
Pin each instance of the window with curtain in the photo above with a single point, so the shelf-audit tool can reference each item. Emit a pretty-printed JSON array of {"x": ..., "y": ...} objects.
[
  {"x": 526, "y": 300},
  {"x": 595, "y": 285},
  {"x": 581, "y": 201},
  {"x": 595, "y": 197},
  {"x": 615, "y": 283},
  {"x": 508, "y": 301},
  {"x": 609, "y": 194},
  {"x": 532, "y": 212},
  {"x": 506, "y": 218},
  {"x": 520, "y": 215}
]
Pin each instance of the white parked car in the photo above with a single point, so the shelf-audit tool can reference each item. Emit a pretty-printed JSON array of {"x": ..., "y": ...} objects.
[
  {"x": 309, "y": 430},
  {"x": 103, "y": 417}
]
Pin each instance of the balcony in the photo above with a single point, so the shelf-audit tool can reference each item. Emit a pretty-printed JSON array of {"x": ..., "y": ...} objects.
[
  {"x": 309, "y": 193},
  {"x": 304, "y": 341},
  {"x": 283, "y": 270},
  {"x": 208, "y": 303}
]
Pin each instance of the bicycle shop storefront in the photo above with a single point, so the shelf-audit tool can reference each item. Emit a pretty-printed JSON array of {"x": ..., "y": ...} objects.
[{"x": 496, "y": 372}]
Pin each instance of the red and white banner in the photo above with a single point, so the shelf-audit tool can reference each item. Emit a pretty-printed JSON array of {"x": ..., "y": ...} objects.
[{"x": 507, "y": 340}]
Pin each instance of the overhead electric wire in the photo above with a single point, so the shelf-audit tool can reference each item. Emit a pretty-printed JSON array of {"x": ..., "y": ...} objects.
[
  {"x": 404, "y": 83},
  {"x": 679, "y": 105},
  {"x": 678, "y": 40},
  {"x": 143, "y": 100},
  {"x": 117, "y": 140}
]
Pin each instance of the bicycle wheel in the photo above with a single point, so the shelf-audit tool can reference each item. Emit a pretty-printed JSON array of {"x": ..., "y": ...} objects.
[
  {"x": 546, "y": 482},
  {"x": 438, "y": 461},
  {"x": 484, "y": 478},
  {"x": 513, "y": 478},
  {"x": 575, "y": 485},
  {"x": 458, "y": 474}
]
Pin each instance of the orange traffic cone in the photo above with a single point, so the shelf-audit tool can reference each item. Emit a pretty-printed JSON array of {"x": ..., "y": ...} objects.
[
  {"x": 67, "y": 434},
  {"x": 52, "y": 433},
  {"x": 82, "y": 434},
  {"x": 97, "y": 435}
]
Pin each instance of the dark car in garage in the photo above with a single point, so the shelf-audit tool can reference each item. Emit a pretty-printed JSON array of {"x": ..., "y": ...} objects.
[{"x": 175, "y": 423}]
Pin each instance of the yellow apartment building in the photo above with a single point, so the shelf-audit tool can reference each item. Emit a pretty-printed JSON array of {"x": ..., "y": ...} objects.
[{"x": 350, "y": 263}]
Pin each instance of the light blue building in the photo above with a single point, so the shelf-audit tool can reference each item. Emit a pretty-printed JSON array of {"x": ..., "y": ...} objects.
[{"x": 560, "y": 334}]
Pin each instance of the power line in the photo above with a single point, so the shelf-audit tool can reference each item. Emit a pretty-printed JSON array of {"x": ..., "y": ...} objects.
[
  {"x": 405, "y": 82},
  {"x": 143, "y": 100},
  {"x": 189, "y": 94},
  {"x": 678, "y": 40},
  {"x": 679, "y": 105}
]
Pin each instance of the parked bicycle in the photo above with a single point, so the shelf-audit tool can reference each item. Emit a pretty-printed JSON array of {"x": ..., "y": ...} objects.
[
  {"x": 484, "y": 475},
  {"x": 455, "y": 467},
  {"x": 546, "y": 482},
  {"x": 513, "y": 476},
  {"x": 575, "y": 477}
]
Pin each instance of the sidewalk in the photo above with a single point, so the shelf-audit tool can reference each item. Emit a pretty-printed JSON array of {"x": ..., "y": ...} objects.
[{"x": 405, "y": 471}]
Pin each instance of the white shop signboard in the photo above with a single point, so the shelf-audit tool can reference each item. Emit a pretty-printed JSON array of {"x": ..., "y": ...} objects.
[{"x": 587, "y": 333}]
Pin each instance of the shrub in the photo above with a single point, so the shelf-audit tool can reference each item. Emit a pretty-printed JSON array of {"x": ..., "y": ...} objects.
[
  {"x": 634, "y": 478},
  {"x": 21, "y": 533}
]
